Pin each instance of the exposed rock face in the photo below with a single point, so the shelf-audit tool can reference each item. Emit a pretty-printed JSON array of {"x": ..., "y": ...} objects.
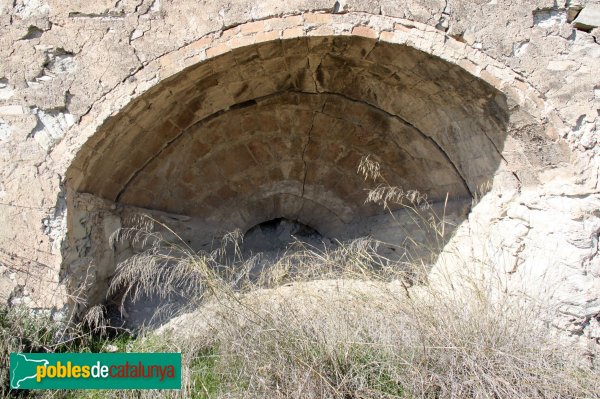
[
  {"x": 588, "y": 18},
  {"x": 225, "y": 115}
]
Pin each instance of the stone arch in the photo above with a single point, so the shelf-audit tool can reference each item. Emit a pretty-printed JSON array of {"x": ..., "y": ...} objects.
[{"x": 269, "y": 119}]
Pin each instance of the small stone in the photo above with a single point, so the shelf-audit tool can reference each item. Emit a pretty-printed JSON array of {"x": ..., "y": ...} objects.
[
  {"x": 111, "y": 348},
  {"x": 443, "y": 23},
  {"x": 469, "y": 37},
  {"x": 21, "y": 301},
  {"x": 136, "y": 34},
  {"x": 11, "y": 110},
  {"x": 5, "y": 131},
  {"x": 338, "y": 7},
  {"x": 58, "y": 316}
]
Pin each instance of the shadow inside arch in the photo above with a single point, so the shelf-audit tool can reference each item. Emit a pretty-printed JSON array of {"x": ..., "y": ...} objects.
[{"x": 277, "y": 130}]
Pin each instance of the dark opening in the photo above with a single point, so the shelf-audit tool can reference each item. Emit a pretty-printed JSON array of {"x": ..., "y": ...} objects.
[{"x": 277, "y": 234}]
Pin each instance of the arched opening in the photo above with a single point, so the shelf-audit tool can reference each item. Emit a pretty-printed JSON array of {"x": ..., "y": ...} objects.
[
  {"x": 276, "y": 235},
  {"x": 276, "y": 131}
]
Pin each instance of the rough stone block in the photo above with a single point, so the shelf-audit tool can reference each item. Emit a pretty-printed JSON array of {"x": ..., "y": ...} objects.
[
  {"x": 293, "y": 32},
  {"x": 317, "y": 18},
  {"x": 365, "y": 31},
  {"x": 588, "y": 18}
]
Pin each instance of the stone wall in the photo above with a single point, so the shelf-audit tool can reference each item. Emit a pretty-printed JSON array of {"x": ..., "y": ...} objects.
[{"x": 234, "y": 113}]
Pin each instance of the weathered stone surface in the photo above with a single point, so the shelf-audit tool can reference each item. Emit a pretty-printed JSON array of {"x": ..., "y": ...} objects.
[
  {"x": 588, "y": 18},
  {"x": 234, "y": 112}
]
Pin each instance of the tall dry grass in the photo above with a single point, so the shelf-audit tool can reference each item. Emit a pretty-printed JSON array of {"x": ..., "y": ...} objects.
[
  {"x": 346, "y": 322},
  {"x": 366, "y": 334}
]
